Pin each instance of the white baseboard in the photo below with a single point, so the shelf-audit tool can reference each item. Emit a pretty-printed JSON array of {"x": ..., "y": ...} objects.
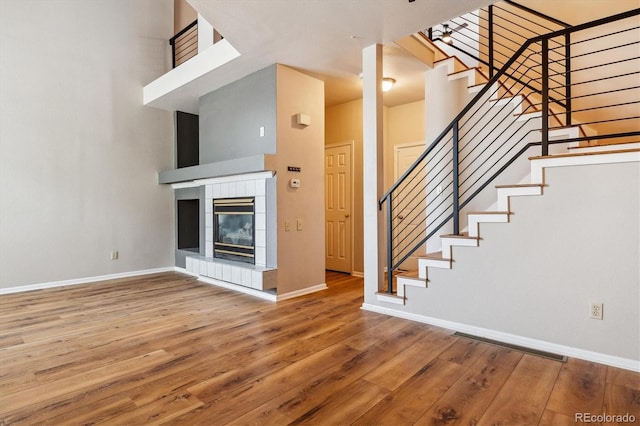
[
  {"x": 85, "y": 280},
  {"x": 271, "y": 297},
  {"x": 357, "y": 274},
  {"x": 614, "y": 361},
  {"x": 302, "y": 292}
]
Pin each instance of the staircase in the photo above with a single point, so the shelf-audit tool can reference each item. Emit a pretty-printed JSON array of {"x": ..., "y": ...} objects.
[{"x": 547, "y": 105}]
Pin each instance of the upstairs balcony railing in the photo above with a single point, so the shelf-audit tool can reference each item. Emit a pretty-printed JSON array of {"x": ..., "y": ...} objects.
[{"x": 184, "y": 45}]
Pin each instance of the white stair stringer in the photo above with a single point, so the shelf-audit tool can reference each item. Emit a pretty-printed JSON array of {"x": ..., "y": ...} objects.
[{"x": 444, "y": 259}]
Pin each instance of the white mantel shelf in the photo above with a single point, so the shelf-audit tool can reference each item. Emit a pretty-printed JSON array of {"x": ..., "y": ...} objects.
[{"x": 255, "y": 163}]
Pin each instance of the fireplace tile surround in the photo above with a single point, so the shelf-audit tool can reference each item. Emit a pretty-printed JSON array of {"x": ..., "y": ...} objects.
[{"x": 262, "y": 274}]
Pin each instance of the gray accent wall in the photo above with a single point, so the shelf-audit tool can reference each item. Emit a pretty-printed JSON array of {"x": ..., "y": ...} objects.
[{"x": 231, "y": 117}]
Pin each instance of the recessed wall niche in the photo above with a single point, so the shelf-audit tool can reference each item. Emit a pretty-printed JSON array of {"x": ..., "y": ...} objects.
[
  {"x": 188, "y": 225},
  {"x": 187, "y": 139}
]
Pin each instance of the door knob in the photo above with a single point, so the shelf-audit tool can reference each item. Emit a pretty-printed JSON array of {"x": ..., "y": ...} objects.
[
  {"x": 400, "y": 217},
  {"x": 346, "y": 215}
]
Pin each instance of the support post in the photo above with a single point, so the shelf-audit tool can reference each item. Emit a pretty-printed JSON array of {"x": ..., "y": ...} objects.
[
  {"x": 545, "y": 97},
  {"x": 456, "y": 181},
  {"x": 372, "y": 187},
  {"x": 491, "y": 65},
  {"x": 567, "y": 76},
  {"x": 390, "y": 244}
]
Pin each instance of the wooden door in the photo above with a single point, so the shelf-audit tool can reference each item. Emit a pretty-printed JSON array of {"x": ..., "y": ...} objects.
[
  {"x": 408, "y": 219},
  {"x": 338, "y": 227}
]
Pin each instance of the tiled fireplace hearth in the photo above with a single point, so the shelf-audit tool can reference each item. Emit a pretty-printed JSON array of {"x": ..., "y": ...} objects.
[{"x": 258, "y": 273}]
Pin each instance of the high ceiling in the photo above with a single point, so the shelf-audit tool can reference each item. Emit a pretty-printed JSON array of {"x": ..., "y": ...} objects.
[{"x": 325, "y": 38}]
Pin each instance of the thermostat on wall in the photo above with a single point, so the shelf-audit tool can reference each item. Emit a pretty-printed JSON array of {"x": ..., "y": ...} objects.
[{"x": 294, "y": 183}]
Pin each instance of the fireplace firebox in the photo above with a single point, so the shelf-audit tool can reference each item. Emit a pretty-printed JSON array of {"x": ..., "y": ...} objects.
[{"x": 233, "y": 229}]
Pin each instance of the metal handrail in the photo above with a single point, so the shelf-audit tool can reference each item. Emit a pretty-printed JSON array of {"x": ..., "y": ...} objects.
[{"x": 488, "y": 143}]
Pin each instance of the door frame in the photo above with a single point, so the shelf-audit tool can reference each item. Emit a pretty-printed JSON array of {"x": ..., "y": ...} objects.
[
  {"x": 396, "y": 150},
  {"x": 350, "y": 144}
]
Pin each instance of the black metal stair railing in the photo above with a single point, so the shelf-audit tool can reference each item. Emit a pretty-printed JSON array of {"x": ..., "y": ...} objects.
[{"x": 526, "y": 104}]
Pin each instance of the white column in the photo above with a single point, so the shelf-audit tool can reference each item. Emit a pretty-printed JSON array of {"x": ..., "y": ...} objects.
[
  {"x": 374, "y": 235},
  {"x": 205, "y": 34}
]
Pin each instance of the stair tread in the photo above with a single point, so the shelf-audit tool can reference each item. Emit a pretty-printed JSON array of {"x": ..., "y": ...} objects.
[
  {"x": 603, "y": 145},
  {"x": 465, "y": 70},
  {"x": 521, "y": 185},
  {"x": 454, "y": 57},
  {"x": 489, "y": 212},
  {"x": 392, "y": 295},
  {"x": 411, "y": 274},
  {"x": 436, "y": 255},
  {"x": 464, "y": 236},
  {"x": 583, "y": 154}
]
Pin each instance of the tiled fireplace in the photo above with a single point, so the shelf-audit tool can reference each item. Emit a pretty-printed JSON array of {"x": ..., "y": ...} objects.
[{"x": 254, "y": 238}]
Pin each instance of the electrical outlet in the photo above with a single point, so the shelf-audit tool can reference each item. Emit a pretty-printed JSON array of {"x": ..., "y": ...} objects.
[
  {"x": 595, "y": 311},
  {"x": 114, "y": 255},
  {"x": 299, "y": 224}
]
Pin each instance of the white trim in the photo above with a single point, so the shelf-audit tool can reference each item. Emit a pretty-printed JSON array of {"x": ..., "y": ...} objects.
[
  {"x": 85, "y": 280},
  {"x": 614, "y": 361},
  {"x": 239, "y": 288},
  {"x": 357, "y": 274},
  {"x": 302, "y": 292},
  {"x": 234, "y": 178}
]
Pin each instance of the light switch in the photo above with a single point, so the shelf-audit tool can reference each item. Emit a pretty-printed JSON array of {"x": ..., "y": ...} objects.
[
  {"x": 294, "y": 183},
  {"x": 299, "y": 224}
]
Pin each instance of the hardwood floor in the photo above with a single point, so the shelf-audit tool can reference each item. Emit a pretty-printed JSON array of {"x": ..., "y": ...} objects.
[{"x": 168, "y": 349}]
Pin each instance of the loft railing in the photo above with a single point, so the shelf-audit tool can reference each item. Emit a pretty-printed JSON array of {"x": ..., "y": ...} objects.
[
  {"x": 493, "y": 34},
  {"x": 587, "y": 74},
  {"x": 184, "y": 45}
]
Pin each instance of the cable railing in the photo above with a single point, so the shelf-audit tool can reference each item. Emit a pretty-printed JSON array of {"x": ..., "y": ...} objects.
[{"x": 583, "y": 77}]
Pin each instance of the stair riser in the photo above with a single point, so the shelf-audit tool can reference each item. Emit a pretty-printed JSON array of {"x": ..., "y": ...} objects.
[
  {"x": 412, "y": 282},
  {"x": 476, "y": 220},
  {"x": 538, "y": 165},
  {"x": 423, "y": 264},
  {"x": 505, "y": 193},
  {"x": 448, "y": 243}
]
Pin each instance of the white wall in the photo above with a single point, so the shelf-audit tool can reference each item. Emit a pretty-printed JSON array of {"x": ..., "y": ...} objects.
[
  {"x": 536, "y": 276},
  {"x": 79, "y": 153}
]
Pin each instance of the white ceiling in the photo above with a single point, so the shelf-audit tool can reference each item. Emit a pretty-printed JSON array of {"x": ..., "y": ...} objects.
[{"x": 325, "y": 38}]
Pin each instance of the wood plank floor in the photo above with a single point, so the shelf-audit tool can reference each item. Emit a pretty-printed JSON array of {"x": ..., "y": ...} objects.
[{"x": 167, "y": 349}]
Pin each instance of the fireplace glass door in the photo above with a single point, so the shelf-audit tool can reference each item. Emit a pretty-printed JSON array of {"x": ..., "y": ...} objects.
[{"x": 233, "y": 229}]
